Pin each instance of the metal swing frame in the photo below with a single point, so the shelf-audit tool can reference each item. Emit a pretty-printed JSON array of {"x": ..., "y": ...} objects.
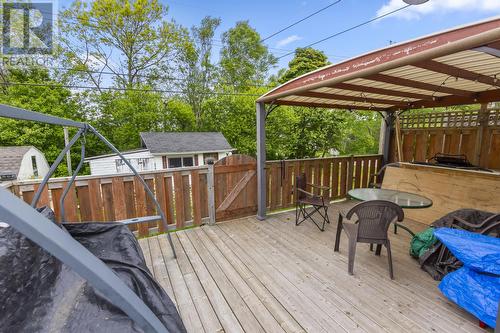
[{"x": 60, "y": 244}]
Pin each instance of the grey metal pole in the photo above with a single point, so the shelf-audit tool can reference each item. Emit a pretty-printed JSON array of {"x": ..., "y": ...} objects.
[
  {"x": 53, "y": 167},
  {"x": 65, "y": 248},
  {"x": 144, "y": 184},
  {"x": 388, "y": 129},
  {"x": 68, "y": 153},
  {"x": 261, "y": 161}
]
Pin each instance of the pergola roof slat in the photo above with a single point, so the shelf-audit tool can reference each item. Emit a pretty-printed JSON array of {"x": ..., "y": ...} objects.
[
  {"x": 457, "y": 72},
  {"x": 417, "y": 84},
  {"x": 324, "y": 105}
]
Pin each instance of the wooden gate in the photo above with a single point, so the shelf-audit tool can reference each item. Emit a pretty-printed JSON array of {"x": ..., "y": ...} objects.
[{"x": 235, "y": 186}]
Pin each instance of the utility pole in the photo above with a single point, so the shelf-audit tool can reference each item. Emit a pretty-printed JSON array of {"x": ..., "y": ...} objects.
[{"x": 68, "y": 154}]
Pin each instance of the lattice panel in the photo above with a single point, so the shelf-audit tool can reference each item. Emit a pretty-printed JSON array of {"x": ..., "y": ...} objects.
[{"x": 452, "y": 119}]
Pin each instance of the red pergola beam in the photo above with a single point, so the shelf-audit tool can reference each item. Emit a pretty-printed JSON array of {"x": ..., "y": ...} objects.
[
  {"x": 482, "y": 97},
  {"x": 439, "y": 67},
  {"x": 417, "y": 84},
  {"x": 328, "y": 106},
  {"x": 380, "y": 91},
  {"x": 350, "y": 98}
]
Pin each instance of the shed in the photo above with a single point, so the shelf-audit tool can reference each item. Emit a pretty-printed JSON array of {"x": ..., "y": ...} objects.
[{"x": 21, "y": 163}]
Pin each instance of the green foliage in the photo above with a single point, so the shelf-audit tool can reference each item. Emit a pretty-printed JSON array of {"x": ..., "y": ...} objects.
[
  {"x": 244, "y": 59},
  {"x": 123, "y": 115},
  {"x": 53, "y": 100},
  {"x": 234, "y": 116},
  {"x": 143, "y": 43},
  {"x": 305, "y": 60},
  {"x": 145, "y": 52},
  {"x": 197, "y": 69}
]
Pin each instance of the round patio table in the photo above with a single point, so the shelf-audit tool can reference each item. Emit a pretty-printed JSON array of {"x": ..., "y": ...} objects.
[{"x": 400, "y": 198}]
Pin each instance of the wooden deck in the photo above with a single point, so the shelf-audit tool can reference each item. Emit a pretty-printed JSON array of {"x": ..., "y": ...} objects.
[{"x": 271, "y": 276}]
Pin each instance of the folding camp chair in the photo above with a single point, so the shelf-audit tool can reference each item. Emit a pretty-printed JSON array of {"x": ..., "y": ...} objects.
[{"x": 303, "y": 199}]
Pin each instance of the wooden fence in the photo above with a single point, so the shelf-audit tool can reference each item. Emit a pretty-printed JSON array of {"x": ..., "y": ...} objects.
[
  {"x": 196, "y": 195},
  {"x": 475, "y": 134},
  {"x": 339, "y": 173},
  {"x": 182, "y": 194}
]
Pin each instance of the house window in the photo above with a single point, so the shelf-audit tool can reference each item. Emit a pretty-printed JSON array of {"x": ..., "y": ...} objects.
[
  {"x": 33, "y": 164},
  {"x": 143, "y": 164},
  {"x": 214, "y": 156},
  {"x": 187, "y": 161},
  {"x": 175, "y": 162},
  {"x": 121, "y": 166}
]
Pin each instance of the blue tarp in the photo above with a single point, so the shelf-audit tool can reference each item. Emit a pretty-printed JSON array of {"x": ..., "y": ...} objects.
[{"x": 476, "y": 286}]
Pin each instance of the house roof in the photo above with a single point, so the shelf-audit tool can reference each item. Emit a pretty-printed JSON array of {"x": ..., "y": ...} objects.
[
  {"x": 454, "y": 67},
  {"x": 11, "y": 158},
  {"x": 184, "y": 142}
]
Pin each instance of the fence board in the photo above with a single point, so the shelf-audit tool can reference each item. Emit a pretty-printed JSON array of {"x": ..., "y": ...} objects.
[
  {"x": 107, "y": 199},
  {"x": 44, "y": 197},
  {"x": 186, "y": 190},
  {"x": 161, "y": 198},
  {"x": 195, "y": 189},
  {"x": 119, "y": 205},
  {"x": 95, "y": 199},
  {"x": 82, "y": 193},
  {"x": 130, "y": 210},
  {"x": 140, "y": 206},
  {"x": 179, "y": 200},
  {"x": 71, "y": 205}
]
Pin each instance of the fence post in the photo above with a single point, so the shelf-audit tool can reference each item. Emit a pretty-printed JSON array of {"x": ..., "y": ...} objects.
[
  {"x": 350, "y": 174},
  {"x": 481, "y": 136},
  {"x": 211, "y": 192}
]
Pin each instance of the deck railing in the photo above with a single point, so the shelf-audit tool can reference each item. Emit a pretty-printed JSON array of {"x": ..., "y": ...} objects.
[
  {"x": 340, "y": 174},
  {"x": 185, "y": 194}
]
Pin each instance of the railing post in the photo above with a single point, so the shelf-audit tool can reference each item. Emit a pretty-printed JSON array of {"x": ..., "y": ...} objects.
[
  {"x": 211, "y": 192},
  {"x": 482, "y": 133},
  {"x": 350, "y": 174}
]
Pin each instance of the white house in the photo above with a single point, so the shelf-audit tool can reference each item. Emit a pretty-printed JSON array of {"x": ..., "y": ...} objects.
[
  {"x": 165, "y": 150},
  {"x": 21, "y": 163}
]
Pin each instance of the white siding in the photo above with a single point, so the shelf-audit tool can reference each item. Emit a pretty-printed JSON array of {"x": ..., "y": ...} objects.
[
  {"x": 107, "y": 165},
  {"x": 26, "y": 170}
]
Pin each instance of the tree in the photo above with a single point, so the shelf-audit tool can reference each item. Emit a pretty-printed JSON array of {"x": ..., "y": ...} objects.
[
  {"x": 304, "y": 61},
  {"x": 198, "y": 71},
  {"x": 314, "y": 131},
  {"x": 51, "y": 99},
  {"x": 244, "y": 59},
  {"x": 121, "y": 116},
  {"x": 130, "y": 39}
]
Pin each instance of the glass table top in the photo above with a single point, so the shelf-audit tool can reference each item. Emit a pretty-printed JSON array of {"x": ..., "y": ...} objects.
[{"x": 403, "y": 199}]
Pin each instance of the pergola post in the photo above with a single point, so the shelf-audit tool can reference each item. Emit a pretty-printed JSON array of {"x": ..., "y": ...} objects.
[
  {"x": 386, "y": 129},
  {"x": 261, "y": 160}
]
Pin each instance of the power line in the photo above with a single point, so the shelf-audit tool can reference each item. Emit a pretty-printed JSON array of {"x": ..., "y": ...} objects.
[
  {"x": 349, "y": 29},
  {"x": 56, "y": 85},
  {"x": 301, "y": 20},
  {"x": 168, "y": 78}
]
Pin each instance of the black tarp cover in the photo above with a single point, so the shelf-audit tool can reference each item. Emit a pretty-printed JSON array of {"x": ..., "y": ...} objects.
[
  {"x": 40, "y": 294},
  {"x": 428, "y": 260}
]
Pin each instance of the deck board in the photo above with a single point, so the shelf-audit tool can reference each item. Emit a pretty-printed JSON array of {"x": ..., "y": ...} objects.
[{"x": 270, "y": 276}]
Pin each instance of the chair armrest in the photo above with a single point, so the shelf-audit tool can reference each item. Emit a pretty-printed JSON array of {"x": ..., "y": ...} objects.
[
  {"x": 319, "y": 186},
  {"x": 307, "y": 193}
]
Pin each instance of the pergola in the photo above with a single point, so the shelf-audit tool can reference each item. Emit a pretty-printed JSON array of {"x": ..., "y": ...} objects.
[{"x": 454, "y": 67}]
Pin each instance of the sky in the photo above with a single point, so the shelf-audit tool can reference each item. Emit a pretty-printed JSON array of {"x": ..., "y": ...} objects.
[{"x": 269, "y": 16}]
